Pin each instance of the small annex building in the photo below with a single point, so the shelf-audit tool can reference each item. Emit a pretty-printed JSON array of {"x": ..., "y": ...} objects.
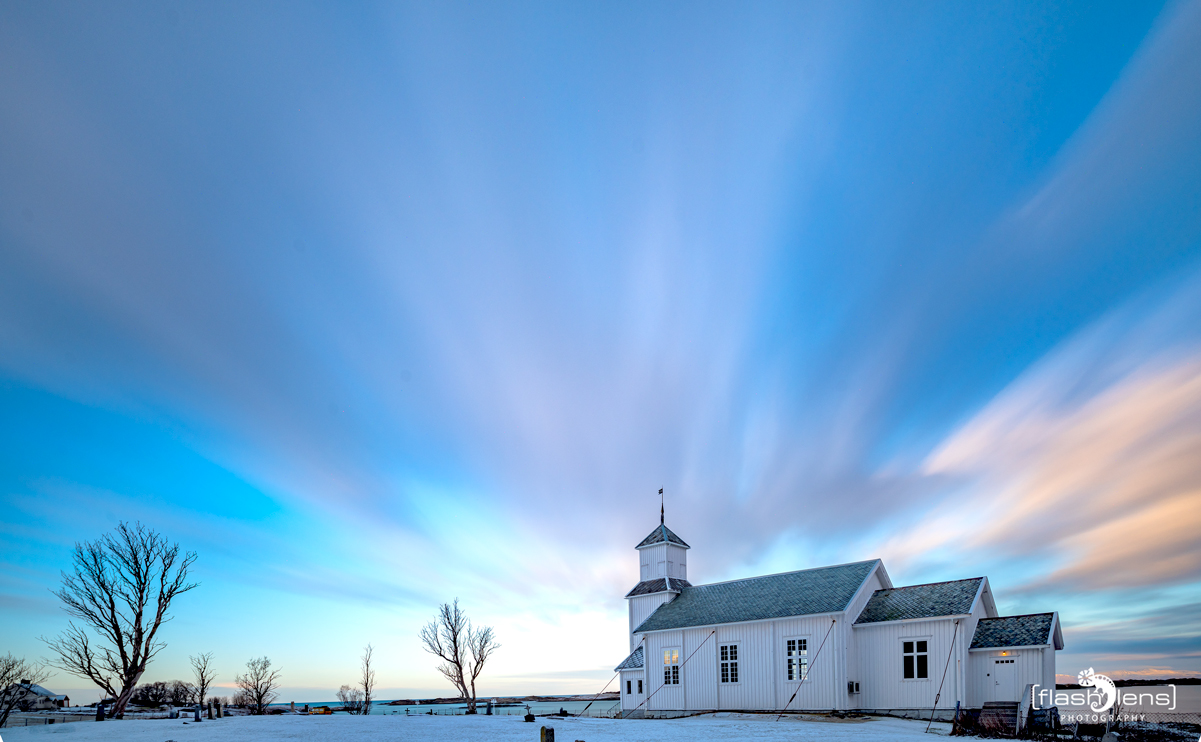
[
  {"x": 33, "y": 697},
  {"x": 841, "y": 637}
]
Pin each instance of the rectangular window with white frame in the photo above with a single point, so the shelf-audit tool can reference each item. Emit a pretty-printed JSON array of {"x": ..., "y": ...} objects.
[
  {"x": 728, "y": 659},
  {"x": 915, "y": 656},
  {"x": 671, "y": 666},
  {"x": 796, "y": 658},
  {"x": 639, "y": 687}
]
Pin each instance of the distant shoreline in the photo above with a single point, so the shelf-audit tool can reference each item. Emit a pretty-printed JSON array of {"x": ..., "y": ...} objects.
[
  {"x": 1136, "y": 682},
  {"x": 483, "y": 701}
]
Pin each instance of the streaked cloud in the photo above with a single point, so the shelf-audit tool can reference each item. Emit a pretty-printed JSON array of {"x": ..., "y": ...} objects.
[
  {"x": 379, "y": 305},
  {"x": 1103, "y": 481}
]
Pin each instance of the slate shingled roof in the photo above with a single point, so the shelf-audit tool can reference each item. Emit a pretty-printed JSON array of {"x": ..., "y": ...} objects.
[
  {"x": 921, "y": 601},
  {"x": 822, "y": 590},
  {"x": 1013, "y": 631},
  {"x": 659, "y": 535},
  {"x": 633, "y": 662},
  {"x": 663, "y": 584}
]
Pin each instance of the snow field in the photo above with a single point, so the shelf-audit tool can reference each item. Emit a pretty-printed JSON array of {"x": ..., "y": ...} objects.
[{"x": 340, "y": 728}]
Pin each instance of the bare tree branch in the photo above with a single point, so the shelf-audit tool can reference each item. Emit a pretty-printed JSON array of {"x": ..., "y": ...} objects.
[
  {"x": 367, "y": 684},
  {"x": 260, "y": 684},
  {"x": 462, "y": 649},
  {"x": 16, "y": 676},
  {"x": 203, "y": 670},
  {"x": 181, "y": 693},
  {"x": 351, "y": 699},
  {"x": 121, "y": 589}
]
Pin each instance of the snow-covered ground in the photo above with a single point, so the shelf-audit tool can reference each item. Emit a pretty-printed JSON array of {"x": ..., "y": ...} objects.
[{"x": 484, "y": 728}]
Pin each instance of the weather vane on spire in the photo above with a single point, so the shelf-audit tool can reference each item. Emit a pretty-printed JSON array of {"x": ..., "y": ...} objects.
[{"x": 660, "y": 506}]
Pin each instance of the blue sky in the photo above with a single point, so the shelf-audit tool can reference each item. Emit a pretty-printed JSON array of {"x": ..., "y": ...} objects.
[{"x": 378, "y": 305}]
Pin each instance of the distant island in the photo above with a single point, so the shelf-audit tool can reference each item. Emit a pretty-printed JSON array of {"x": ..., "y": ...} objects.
[{"x": 1128, "y": 682}]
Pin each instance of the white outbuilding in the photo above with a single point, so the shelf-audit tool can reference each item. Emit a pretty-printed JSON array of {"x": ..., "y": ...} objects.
[{"x": 841, "y": 637}]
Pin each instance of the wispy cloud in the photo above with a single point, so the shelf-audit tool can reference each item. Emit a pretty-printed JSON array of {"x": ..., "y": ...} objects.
[
  {"x": 1089, "y": 460},
  {"x": 388, "y": 304}
]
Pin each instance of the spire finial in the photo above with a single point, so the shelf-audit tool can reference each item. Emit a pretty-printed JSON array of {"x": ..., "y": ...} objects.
[{"x": 660, "y": 506}]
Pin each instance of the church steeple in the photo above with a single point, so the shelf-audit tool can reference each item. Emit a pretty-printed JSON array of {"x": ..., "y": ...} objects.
[
  {"x": 663, "y": 554},
  {"x": 663, "y": 562}
]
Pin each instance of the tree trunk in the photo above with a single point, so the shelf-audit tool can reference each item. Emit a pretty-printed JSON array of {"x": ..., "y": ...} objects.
[
  {"x": 126, "y": 693},
  {"x": 118, "y": 711}
]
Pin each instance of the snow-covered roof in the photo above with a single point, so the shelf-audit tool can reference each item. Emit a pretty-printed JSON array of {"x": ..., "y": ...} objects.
[
  {"x": 931, "y": 600},
  {"x": 809, "y": 591},
  {"x": 38, "y": 690}
]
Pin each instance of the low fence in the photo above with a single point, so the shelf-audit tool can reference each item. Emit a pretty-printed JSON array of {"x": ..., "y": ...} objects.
[
  {"x": 40, "y": 718},
  {"x": 18, "y": 719}
]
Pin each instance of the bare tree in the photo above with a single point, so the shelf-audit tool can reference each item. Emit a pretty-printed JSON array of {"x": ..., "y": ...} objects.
[
  {"x": 357, "y": 699},
  {"x": 367, "y": 684},
  {"x": 203, "y": 670},
  {"x": 151, "y": 694},
  {"x": 462, "y": 648},
  {"x": 16, "y": 676},
  {"x": 351, "y": 699},
  {"x": 121, "y": 588},
  {"x": 182, "y": 693},
  {"x": 260, "y": 684}
]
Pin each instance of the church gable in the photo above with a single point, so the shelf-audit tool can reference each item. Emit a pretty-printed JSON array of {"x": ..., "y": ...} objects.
[{"x": 932, "y": 600}]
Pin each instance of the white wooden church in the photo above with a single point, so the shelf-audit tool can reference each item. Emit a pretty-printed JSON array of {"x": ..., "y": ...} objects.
[{"x": 831, "y": 638}]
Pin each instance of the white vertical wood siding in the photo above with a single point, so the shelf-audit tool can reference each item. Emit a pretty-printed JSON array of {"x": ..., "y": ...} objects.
[
  {"x": 663, "y": 560},
  {"x": 847, "y": 634},
  {"x": 869, "y": 586},
  {"x": 881, "y": 672},
  {"x": 976, "y": 692},
  {"x": 677, "y": 562},
  {"x": 984, "y": 608},
  {"x": 1049, "y": 678},
  {"x": 647, "y": 559},
  {"x": 641, "y": 607},
  {"x": 763, "y": 684},
  {"x": 825, "y": 685},
  {"x": 660, "y": 696},
  {"x": 631, "y": 701},
  {"x": 1030, "y": 667}
]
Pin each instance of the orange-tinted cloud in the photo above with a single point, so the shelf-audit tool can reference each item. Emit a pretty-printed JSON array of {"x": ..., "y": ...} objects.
[{"x": 1109, "y": 485}]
